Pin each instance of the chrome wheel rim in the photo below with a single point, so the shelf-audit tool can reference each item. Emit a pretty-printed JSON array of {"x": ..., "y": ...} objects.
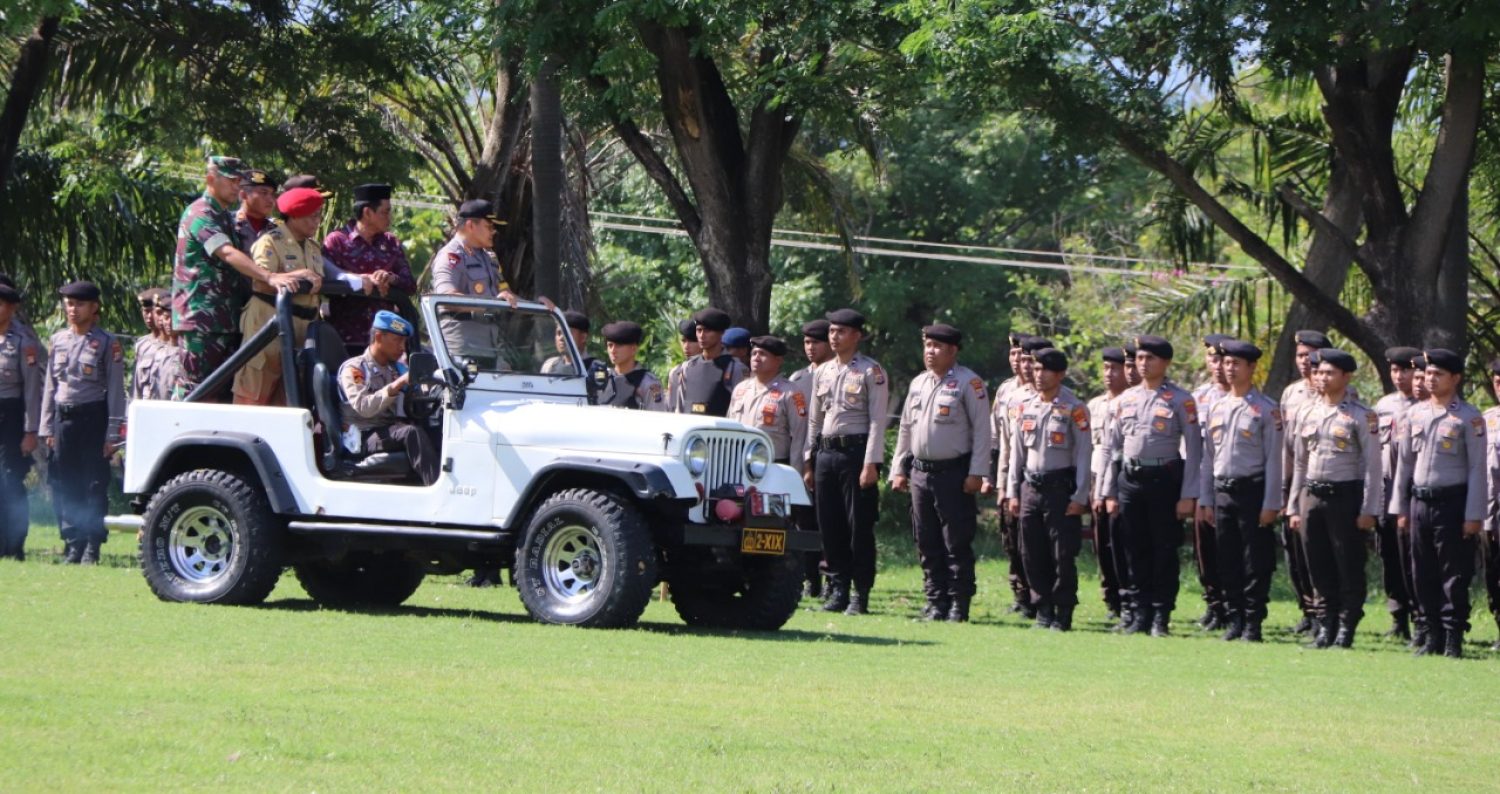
[
  {"x": 201, "y": 545},
  {"x": 573, "y": 563}
]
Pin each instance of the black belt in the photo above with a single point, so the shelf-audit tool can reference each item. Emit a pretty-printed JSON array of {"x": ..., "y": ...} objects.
[
  {"x": 1325, "y": 490},
  {"x": 940, "y": 466},
  {"x": 300, "y": 312},
  {"x": 1143, "y": 464},
  {"x": 1227, "y": 484},
  {"x": 1045, "y": 480},
  {"x": 69, "y": 409},
  {"x": 1436, "y": 494},
  {"x": 843, "y": 442}
]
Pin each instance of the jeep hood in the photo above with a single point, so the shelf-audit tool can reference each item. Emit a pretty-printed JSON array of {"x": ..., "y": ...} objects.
[{"x": 593, "y": 428}]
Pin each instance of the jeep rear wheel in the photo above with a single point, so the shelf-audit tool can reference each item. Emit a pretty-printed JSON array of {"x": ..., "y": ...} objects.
[
  {"x": 762, "y": 595},
  {"x": 361, "y": 579},
  {"x": 587, "y": 559},
  {"x": 210, "y": 537}
]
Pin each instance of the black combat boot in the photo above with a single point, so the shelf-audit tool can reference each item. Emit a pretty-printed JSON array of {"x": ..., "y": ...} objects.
[
  {"x": 1127, "y": 619},
  {"x": 1326, "y": 628},
  {"x": 1062, "y": 618},
  {"x": 90, "y": 555},
  {"x": 1234, "y": 627},
  {"x": 1303, "y": 626},
  {"x": 1400, "y": 627},
  {"x": 1252, "y": 631},
  {"x": 813, "y": 588},
  {"x": 484, "y": 577},
  {"x": 836, "y": 596},
  {"x": 1453, "y": 644},
  {"x": 1161, "y": 623},
  {"x": 1433, "y": 642},
  {"x": 1212, "y": 620},
  {"x": 1345, "y": 637},
  {"x": 1044, "y": 617},
  {"x": 859, "y": 601},
  {"x": 72, "y": 552},
  {"x": 959, "y": 612},
  {"x": 1142, "y": 622},
  {"x": 1418, "y": 634},
  {"x": 937, "y": 609}
]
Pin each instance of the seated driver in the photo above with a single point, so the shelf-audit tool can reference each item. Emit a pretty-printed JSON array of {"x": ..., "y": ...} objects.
[{"x": 372, "y": 385}]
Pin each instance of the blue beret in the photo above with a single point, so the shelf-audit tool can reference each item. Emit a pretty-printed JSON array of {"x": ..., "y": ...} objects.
[
  {"x": 737, "y": 337},
  {"x": 391, "y": 322}
]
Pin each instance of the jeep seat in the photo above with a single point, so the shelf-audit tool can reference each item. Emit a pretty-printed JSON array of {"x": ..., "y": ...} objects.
[{"x": 318, "y": 364}]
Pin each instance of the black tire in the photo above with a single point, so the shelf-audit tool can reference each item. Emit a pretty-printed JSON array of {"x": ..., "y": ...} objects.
[
  {"x": 587, "y": 559},
  {"x": 762, "y": 596},
  {"x": 361, "y": 579},
  {"x": 210, "y": 537}
]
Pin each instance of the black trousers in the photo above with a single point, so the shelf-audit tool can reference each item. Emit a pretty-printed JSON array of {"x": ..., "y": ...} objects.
[
  {"x": 1336, "y": 554},
  {"x": 1104, "y": 552},
  {"x": 1050, "y": 539},
  {"x": 943, "y": 520},
  {"x": 1490, "y": 548},
  {"x": 81, "y": 480},
  {"x": 15, "y": 517},
  {"x": 1245, "y": 551},
  {"x": 1206, "y": 561},
  {"x": 846, "y": 516},
  {"x": 1151, "y": 534},
  {"x": 1395, "y": 564},
  {"x": 410, "y": 439},
  {"x": 1010, "y": 540},
  {"x": 1442, "y": 560}
]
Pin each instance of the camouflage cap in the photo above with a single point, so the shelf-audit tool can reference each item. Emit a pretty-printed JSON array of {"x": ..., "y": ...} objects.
[{"x": 232, "y": 167}]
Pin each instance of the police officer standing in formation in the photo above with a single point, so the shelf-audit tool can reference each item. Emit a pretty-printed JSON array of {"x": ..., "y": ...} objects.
[
  {"x": 737, "y": 344},
  {"x": 1392, "y": 546},
  {"x": 23, "y": 365},
  {"x": 1048, "y": 488},
  {"x": 846, "y": 445},
  {"x": 942, "y": 452},
  {"x": 83, "y": 406},
  {"x": 1440, "y": 494},
  {"x": 1105, "y": 551},
  {"x": 1205, "y": 557},
  {"x": 772, "y": 403},
  {"x": 1292, "y": 398},
  {"x": 815, "y": 347},
  {"x": 145, "y": 344},
  {"x": 1335, "y": 495},
  {"x": 704, "y": 383},
  {"x": 1490, "y": 542},
  {"x": 630, "y": 385},
  {"x": 1153, "y": 488},
  {"x": 373, "y": 385},
  {"x": 1240, "y": 480},
  {"x": 165, "y": 379},
  {"x": 1008, "y": 397}
]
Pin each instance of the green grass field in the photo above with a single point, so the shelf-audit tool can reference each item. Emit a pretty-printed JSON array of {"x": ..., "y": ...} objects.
[{"x": 104, "y": 687}]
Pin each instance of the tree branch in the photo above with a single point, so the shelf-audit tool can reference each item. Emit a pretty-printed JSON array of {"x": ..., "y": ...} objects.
[
  {"x": 1322, "y": 225},
  {"x": 656, "y": 168},
  {"x": 1448, "y": 168}
]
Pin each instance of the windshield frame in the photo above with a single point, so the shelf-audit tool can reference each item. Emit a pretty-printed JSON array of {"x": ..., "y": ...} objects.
[{"x": 439, "y": 345}]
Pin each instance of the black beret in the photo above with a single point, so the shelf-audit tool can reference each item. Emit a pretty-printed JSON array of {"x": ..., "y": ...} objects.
[
  {"x": 688, "y": 330},
  {"x": 770, "y": 344},
  {"x": 577, "y": 320},
  {"x": 80, "y": 290},
  {"x": 1154, "y": 345},
  {"x": 848, "y": 318},
  {"x": 1495, "y": 366},
  {"x": 1114, "y": 354},
  {"x": 1314, "y": 339},
  {"x": 712, "y": 319},
  {"x": 373, "y": 193},
  {"x": 1445, "y": 359},
  {"x": 305, "y": 180},
  {"x": 1211, "y": 341},
  {"x": 162, "y": 297},
  {"x": 1035, "y": 343},
  {"x": 1337, "y": 358},
  {"x": 1051, "y": 359},
  {"x": 1130, "y": 349},
  {"x": 817, "y": 329},
  {"x": 9, "y": 294},
  {"x": 478, "y": 209},
  {"x": 1234, "y": 348},
  {"x": 1017, "y": 338},
  {"x": 1419, "y": 361},
  {"x": 146, "y": 297},
  {"x": 623, "y": 332},
  {"x": 1401, "y": 356},
  {"x": 942, "y": 332}
]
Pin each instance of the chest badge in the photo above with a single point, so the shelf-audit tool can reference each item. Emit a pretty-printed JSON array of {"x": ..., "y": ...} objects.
[{"x": 478, "y": 289}]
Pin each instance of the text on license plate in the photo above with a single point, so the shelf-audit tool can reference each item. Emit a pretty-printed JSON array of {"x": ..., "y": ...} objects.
[{"x": 763, "y": 541}]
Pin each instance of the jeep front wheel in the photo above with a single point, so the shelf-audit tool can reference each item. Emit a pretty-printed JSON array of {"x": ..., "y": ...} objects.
[
  {"x": 586, "y": 559},
  {"x": 361, "y": 579},
  {"x": 210, "y": 537},
  {"x": 762, "y": 594}
]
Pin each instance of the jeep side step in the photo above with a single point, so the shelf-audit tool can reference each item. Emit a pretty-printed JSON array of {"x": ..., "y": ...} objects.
[{"x": 433, "y": 533}]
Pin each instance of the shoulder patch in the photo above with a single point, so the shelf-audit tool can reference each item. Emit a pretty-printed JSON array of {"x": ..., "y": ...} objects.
[
  {"x": 1478, "y": 424},
  {"x": 357, "y": 374},
  {"x": 454, "y": 258},
  {"x": 978, "y": 386},
  {"x": 800, "y": 401},
  {"x": 878, "y": 374},
  {"x": 115, "y": 351},
  {"x": 1191, "y": 408},
  {"x": 1081, "y": 418}
]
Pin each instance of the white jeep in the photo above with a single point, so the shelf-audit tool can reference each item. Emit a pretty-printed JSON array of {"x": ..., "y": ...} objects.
[{"x": 589, "y": 507}]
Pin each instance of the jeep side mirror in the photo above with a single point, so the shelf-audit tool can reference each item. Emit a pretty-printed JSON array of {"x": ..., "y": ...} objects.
[
  {"x": 597, "y": 379},
  {"x": 422, "y": 366}
]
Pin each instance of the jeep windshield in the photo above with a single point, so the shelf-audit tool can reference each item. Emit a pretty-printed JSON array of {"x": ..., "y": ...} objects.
[{"x": 491, "y": 337}]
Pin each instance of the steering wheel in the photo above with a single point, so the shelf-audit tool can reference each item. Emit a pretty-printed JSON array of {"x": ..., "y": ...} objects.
[{"x": 424, "y": 397}]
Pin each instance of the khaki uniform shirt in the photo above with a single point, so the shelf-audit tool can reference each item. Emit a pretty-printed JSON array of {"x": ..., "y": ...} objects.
[
  {"x": 1242, "y": 439},
  {"x": 778, "y": 408},
  {"x": 145, "y": 357},
  {"x": 999, "y": 435},
  {"x": 849, "y": 400},
  {"x": 1337, "y": 443},
  {"x": 23, "y": 371},
  {"x": 1389, "y": 409},
  {"x": 367, "y": 404},
  {"x": 1050, "y": 435},
  {"x": 1100, "y": 409},
  {"x": 474, "y": 272},
  {"x": 1155, "y": 425},
  {"x": 85, "y": 369},
  {"x": 1441, "y": 446},
  {"x": 944, "y": 418},
  {"x": 1492, "y": 465}
]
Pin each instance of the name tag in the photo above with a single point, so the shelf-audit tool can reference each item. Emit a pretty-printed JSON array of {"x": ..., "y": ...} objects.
[{"x": 700, "y": 408}]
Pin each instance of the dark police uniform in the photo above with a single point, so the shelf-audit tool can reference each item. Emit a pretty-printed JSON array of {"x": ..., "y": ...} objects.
[
  {"x": 83, "y": 406},
  {"x": 704, "y": 385},
  {"x": 944, "y": 438},
  {"x": 1440, "y": 484},
  {"x": 1154, "y": 434},
  {"x": 1050, "y": 448},
  {"x": 23, "y": 363},
  {"x": 637, "y": 389},
  {"x": 846, "y": 431}
]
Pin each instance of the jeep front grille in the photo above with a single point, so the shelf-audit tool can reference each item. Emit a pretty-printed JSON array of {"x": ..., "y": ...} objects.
[{"x": 726, "y": 460}]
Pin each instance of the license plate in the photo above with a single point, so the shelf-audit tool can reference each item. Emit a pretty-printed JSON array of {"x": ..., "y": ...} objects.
[{"x": 763, "y": 541}]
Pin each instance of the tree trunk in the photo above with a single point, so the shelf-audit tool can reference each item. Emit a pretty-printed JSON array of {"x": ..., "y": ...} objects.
[
  {"x": 25, "y": 84},
  {"x": 547, "y": 179}
]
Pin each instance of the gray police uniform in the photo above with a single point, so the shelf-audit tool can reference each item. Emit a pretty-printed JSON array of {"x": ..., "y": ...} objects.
[
  {"x": 1336, "y": 479},
  {"x": 1106, "y": 552},
  {"x": 473, "y": 272},
  {"x": 944, "y": 438},
  {"x": 1154, "y": 447},
  {"x": 83, "y": 406},
  {"x": 1050, "y": 447},
  {"x": 846, "y": 430},
  {"x": 807, "y": 517},
  {"x": 1293, "y": 397},
  {"x": 1440, "y": 483},
  {"x": 23, "y": 364},
  {"x": 1205, "y": 551},
  {"x": 1006, "y": 402},
  {"x": 378, "y": 415},
  {"x": 703, "y": 386},
  {"x": 1490, "y": 542},
  {"x": 1394, "y": 547},
  {"x": 779, "y": 409},
  {"x": 145, "y": 358},
  {"x": 637, "y": 389},
  {"x": 1240, "y": 477},
  {"x": 168, "y": 378}
]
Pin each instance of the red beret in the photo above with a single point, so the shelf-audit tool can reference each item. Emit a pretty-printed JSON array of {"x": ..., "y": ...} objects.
[{"x": 299, "y": 201}]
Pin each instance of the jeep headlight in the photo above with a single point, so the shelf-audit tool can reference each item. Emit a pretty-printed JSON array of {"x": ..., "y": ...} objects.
[
  {"x": 757, "y": 459},
  {"x": 695, "y": 455}
]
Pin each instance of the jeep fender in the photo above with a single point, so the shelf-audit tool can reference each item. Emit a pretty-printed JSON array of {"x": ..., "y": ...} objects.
[
  {"x": 646, "y": 481},
  {"x": 255, "y": 448}
]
